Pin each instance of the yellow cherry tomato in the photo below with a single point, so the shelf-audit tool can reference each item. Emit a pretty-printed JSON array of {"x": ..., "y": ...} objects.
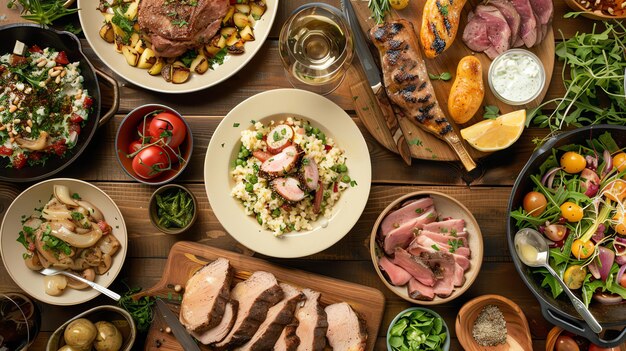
[
  {"x": 619, "y": 161},
  {"x": 571, "y": 212},
  {"x": 619, "y": 222},
  {"x": 615, "y": 190},
  {"x": 399, "y": 4},
  {"x": 573, "y": 162},
  {"x": 582, "y": 249},
  {"x": 535, "y": 203},
  {"x": 574, "y": 276}
]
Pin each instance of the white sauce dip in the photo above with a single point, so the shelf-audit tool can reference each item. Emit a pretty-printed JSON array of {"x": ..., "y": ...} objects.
[{"x": 516, "y": 76}]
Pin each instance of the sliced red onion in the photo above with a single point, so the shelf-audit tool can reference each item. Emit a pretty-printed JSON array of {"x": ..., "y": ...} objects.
[
  {"x": 548, "y": 178},
  {"x": 599, "y": 234},
  {"x": 620, "y": 260},
  {"x": 620, "y": 249},
  {"x": 607, "y": 299},
  {"x": 620, "y": 273},
  {"x": 593, "y": 269},
  {"x": 609, "y": 162},
  {"x": 606, "y": 257},
  {"x": 592, "y": 162},
  {"x": 590, "y": 182}
]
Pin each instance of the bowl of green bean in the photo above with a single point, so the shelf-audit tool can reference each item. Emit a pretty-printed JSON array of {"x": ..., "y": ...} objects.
[{"x": 173, "y": 209}]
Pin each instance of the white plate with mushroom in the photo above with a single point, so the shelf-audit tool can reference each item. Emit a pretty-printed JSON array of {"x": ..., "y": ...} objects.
[
  {"x": 73, "y": 225},
  {"x": 269, "y": 205}
]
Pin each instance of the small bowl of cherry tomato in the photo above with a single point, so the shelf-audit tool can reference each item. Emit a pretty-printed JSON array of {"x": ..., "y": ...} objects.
[
  {"x": 154, "y": 144},
  {"x": 562, "y": 340}
]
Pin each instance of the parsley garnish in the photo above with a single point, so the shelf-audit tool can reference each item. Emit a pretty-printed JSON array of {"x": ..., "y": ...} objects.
[
  {"x": 454, "y": 244},
  {"x": 435, "y": 247},
  {"x": 235, "y": 125},
  {"x": 491, "y": 112},
  {"x": 179, "y": 22},
  {"x": 445, "y": 76}
]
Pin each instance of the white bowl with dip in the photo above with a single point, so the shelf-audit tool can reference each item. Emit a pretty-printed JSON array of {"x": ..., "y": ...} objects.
[{"x": 517, "y": 77}]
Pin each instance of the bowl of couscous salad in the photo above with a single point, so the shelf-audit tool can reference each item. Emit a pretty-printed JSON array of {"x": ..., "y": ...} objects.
[{"x": 287, "y": 173}]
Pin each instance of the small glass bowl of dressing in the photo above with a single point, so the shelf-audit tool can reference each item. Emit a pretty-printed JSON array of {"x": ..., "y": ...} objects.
[{"x": 517, "y": 77}]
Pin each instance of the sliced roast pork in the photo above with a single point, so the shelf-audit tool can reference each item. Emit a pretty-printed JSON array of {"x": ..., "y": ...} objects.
[
  {"x": 346, "y": 331},
  {"x": 217, "y": 333},
  {"x": 279, "y": 138},
  {"x": 420, "y": 291},
  {"x": 310, "y": 173},
  {"x": 408, "y": 227},
  {"x": 288, "y": 340},
  {"x": 444, "y": 238},
  {"x": 206, "y": 295},
  {"x": 459, "y": 275},
  {"x": 282, "y": 163},
  {"x": 313, "y": 323},
  {"x": 452, "y": 226},
  {"x": 409, "y": 211},
  {"x": 400, "y": 237},
  {"x": 277, "y": 318},
  {"x": 288, "y": 188},
  {"x": 510, "y": 14},
  {"x": 437, "y": 246},
  {"x": 255, "y": 296},
  {"x": 442, "y": 265},
  {"x": 415, "y": 266},
  {"x": 397, "y": 275},
  {"x": 528, "y": 28},
  {"x": 416, "y": 249}
]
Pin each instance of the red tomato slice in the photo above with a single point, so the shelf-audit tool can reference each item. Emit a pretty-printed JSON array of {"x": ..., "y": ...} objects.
[
  {"x": 88, "y": 102},
  {"x": 5, "y": 151},
  {"x": 76, "y": 118},
  {"x": 36, "y": 49},
  {"x": 150, "y": 162},
  {"x": 19, "y": 161},
  {"x": 61, "y": 58},
  {"x": 169, "y": 127}
]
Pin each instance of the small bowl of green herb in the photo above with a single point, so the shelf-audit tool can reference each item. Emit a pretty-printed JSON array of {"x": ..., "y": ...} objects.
[
  {"x": 418, "y": 328},
  {"x": 173, "y": 209}
]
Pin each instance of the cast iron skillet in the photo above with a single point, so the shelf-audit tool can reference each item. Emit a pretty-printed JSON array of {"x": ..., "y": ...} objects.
[
  {"x": 560, "y": 311},
  {"x": 32, "y": 34}
]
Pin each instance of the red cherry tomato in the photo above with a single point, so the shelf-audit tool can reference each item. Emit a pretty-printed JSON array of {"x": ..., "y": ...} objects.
[
  {"x": 593, "y": 347},
  {"x": 76, "y": 118},
  {"x": 172, "y": 153},
  {"x": 61, "y": 58},
  {"x": 19, "y": 161},
  {"x": 566, "y": 343},
  {"x": 150, "y": 162},
  {"x": 5, "y": 151},
  {"x": 622, "y": 281},
  {"x": 58, "y": 147},
  {"x": 134, "y": 146},
  {"x": 74, "y": 127},
  {"x": 88, "y": 102},
  {"x": 169, "y": 127},
  {"x": 35, "y": 48}
]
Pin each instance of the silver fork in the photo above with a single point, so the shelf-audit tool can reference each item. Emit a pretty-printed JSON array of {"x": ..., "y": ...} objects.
[{"x": 100, "y": 288}]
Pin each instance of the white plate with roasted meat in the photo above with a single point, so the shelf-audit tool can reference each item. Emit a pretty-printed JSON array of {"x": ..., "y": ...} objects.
[
  {"x": 176, "y": 47},
  {"x": 287, "y": 173},
  {"x": 427, "y": 247}
]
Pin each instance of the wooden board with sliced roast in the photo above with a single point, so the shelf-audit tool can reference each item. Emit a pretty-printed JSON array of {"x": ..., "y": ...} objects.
[
  {"x": 235, "y": 302},
  {"x": 423, "y": 250}
]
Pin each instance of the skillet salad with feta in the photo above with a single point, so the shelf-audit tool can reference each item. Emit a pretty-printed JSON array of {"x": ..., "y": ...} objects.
[{"x": 43, "y": 105}]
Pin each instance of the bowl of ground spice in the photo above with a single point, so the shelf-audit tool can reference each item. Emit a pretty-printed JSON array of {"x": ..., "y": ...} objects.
[{"x": 492, "y": 322}]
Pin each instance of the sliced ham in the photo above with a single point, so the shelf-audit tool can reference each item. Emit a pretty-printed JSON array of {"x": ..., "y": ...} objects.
[
  {"x": 346, "y": 331},
  {"x": 459, "y": 275},
  {"x": 217, "y": 333},
  {"x": 416, "y": 249},
  {"x": 415, "y": 266},
  {"x": 312, "y": 323},
  {"x": 442, "y": 265},
  {"x": 206, "y": 295},
  {"x": 255, "y": 296},
  {"x": 400, "y": 237},
  {"x": 396, "y": 274},
  {"x": 420, "y": 291},
  {"x": 528, "y": 27},
  {"x": 282, "y": 163},
  {"x": 396, "y": 218},
  {"x": 288, "y": 340},
  {"x": 310, "y": 173},
  {"x": 513, "y": 18},
  {"x": 279, "y": 138},
  {"x": 443, "y": 237},
  {"x": 452, "y": 226},
  {"x": 437, "y": 246},
  {"x": 277, "y": 318},
  {"x": 288, "y": 188}
]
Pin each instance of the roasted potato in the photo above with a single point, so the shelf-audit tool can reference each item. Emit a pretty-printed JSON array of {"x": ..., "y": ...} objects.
[
  {"x": 140, "y": 46},
  {"x": 241, "y": 20},
  {"x": 180, "y": 73},
  {"x": 134, "y": 38},
  {"x": 246, "y": 34},
  {"x": 157, "y": 67},
  {"x": 467, "y": 93},
  {"x": 119, "y": 42},
  {"x": 200, "y": 64},
  {"x": 166, "y": 72},
  {"x": 131, "y": 11},
  {"x": 232, "y": 39},
  {"x": 217, "y": 43},
  {"x": 228, "y": 18},
  {"x": 106, "y": 33},
  {"x": 237, "y": 48},
  {"x": 243, "y": 8},
  {"x": 226, "y": 32},
  {"x": 147, "y": 59},
  {"x": 131, "y": 55},
  {"x": 257, "y": 9}
]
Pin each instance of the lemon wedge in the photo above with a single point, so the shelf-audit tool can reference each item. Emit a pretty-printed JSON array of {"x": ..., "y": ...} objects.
[{"x": 496, "y": 134}]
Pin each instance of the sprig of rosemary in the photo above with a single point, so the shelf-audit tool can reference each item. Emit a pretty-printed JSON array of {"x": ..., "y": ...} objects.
[
  {"x": 379, "y": 9},
  {"x": 42, "y": 11}
]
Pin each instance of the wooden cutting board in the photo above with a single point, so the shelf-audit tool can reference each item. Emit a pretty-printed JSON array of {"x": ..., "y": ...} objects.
[
  {"x": 422, "y": 144},
  {"x": 186, "y": 258}
]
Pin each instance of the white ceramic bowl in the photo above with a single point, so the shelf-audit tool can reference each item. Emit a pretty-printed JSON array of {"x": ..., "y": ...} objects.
[
  {"x": 91, "y": 20},
  {"x": 277, "y": 105},
  {"x": 37, "y": 196}
]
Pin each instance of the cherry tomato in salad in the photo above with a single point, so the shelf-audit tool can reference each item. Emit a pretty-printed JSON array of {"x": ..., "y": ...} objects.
[
  {"x": 61, "y": 58},
  {"x": 535, "y": 203},
  {"x": 19, "y": 161},
  {"x": 594, "y": 347},
  {"x": 619, "y": 161},
  {"x": 88, "y": 102},
  {"x": 168, "y": 126},
  {"x": 574, "y": 276},
  {"x": 571, "y": 212},
  {"x": 58, "y": 147},
  {"x": 566, "y": 343},
  {"x": 573, "y": 162},
  {"x": 36, "y": 49},
  {"x": 134, "y": 146},
  {"x": 76, "y": 118},
  {"x": 150, "y": 162},
  {"x": 74, "y": 127},
  {"x": 5, "y": 151},
  {"x": 615, "y": 190},
  {"x": 582, "y": 249},
  {"x": 622, "y": 280},
  {"x": 619, "y": 221}
]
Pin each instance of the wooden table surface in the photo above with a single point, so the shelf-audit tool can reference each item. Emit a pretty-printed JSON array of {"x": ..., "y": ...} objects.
[{"x": 485, "y": 191}]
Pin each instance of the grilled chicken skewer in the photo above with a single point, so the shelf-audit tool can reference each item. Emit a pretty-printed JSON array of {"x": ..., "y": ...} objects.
[{"x": 408, "y": 86}]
